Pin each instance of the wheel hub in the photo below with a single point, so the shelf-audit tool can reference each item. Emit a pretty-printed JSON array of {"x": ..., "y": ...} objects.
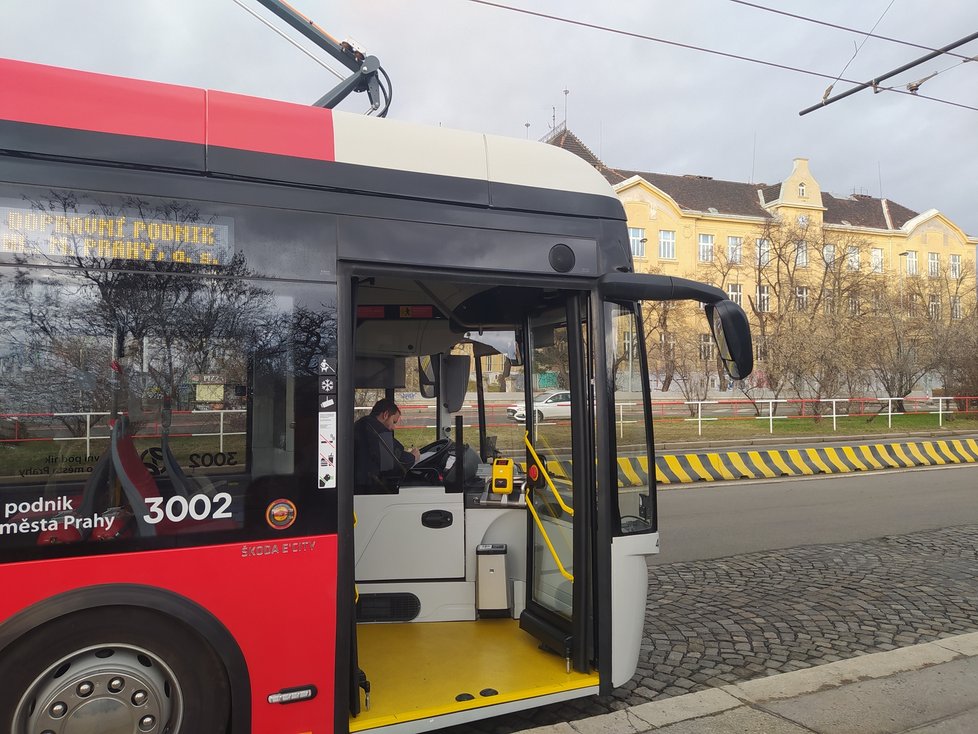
[
  {"x": 113, "y": 717},
  {"x": 103, "y": 690}
]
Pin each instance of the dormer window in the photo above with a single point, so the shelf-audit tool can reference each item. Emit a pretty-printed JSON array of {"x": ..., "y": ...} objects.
[{"x": 801, "y": 190}]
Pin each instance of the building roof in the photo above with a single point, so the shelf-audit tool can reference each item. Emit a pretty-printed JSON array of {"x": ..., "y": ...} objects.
[
  {"x": 704, "y": 194},
  {"x": 770, "y": 193},
  {"x": 563, "y": 138},
  {"x": 861, "y": 210}
]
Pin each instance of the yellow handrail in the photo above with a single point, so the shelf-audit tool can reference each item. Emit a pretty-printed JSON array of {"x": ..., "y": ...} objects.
[
  {"x": 546, "y": 538},
  {"x": 356, "y": 591},
  {"x": 546, "y": 475}
]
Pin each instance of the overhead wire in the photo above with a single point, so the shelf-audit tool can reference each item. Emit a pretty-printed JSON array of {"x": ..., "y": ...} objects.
[
  {"x": 278, "y": 31},
  {"x": 912, "y": 87},
  {"x": 702, "y": 49},
  {"x": 846, "y": 28},
  {"x": 860, "y": 47},
  {"x": 874, "y": 83}
]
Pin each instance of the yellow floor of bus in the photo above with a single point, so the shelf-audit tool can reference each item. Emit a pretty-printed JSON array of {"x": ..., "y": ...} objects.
[{"x": 417, "y": 670}]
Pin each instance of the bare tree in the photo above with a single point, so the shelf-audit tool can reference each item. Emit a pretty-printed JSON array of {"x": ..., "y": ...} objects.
[
  {"x": 946, "y": 297},
  {"x": 672, "y": 341},
  {"x": 812, "y": 286},
  {"x": 896, "y": 339},
  {"x": 693, "y": 361}
]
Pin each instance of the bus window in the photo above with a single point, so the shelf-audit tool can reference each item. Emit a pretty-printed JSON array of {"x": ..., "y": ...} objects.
[
  {"x": 494, "y": 355},
  {"x": 152, "y": 404},
  {"x": 636, "y": 501},
  {"x": 419, "y": 416}
]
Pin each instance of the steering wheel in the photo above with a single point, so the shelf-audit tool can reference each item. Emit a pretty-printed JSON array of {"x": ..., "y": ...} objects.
[{"x": 435, "y": 454}]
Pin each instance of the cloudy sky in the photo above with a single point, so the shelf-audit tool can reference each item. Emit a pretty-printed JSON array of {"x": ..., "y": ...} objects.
[{"x": 637, "y": 103}]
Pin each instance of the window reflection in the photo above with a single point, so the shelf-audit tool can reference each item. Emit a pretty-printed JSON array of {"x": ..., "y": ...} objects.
[
  {"x": 154, "y": 400},
  {"x": 636, "y": 505}
]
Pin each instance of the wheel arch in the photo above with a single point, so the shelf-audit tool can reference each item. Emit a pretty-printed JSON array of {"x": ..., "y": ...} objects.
[{"x": 182, "y": 610}]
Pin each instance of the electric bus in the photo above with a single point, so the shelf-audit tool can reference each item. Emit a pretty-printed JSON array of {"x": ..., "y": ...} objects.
[{"x": 201, "y": 292}]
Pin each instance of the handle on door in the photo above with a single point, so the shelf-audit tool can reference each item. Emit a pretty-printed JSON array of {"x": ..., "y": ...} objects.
[{"x": 436, "y": 519}]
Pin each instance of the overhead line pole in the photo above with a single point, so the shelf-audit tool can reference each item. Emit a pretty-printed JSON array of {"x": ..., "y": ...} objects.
[
  {"x": 364, "y": 68},
  {"x": 875, "y": 82}
]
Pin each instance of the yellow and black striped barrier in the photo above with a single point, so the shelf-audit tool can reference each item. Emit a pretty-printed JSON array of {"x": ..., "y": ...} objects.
[
  {"x": 770, "y": 463},
  {"x": 714, "y": 466}
]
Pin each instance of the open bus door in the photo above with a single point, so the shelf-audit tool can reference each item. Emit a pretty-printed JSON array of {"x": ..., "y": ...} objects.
[
  {"x": 561, "y": 487},
  {"x": 435, "y": 636},
  {"x": 572, "y": 538}
]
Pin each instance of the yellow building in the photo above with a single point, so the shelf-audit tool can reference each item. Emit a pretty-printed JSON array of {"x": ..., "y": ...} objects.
[
  {"x": 770, "y": 245},
  {"x": 682, "y": 225}
]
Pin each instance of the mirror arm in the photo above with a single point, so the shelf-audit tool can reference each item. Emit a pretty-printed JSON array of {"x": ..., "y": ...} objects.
[{"x": 649, "y": 287}]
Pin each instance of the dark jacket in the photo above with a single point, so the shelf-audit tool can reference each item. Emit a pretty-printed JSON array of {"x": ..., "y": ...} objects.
[{"x": 379, "y": 459}]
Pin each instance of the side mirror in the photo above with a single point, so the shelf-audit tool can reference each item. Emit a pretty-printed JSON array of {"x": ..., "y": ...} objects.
[
  {"x": 731, "y": 332},
  {"x": 428, "y": 375},
  {"x": 445, "y": 376},
  {"x": 455, "y": 380}
]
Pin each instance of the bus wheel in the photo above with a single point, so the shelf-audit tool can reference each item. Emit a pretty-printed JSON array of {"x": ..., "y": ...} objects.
[{"x": 113, "y": 670}]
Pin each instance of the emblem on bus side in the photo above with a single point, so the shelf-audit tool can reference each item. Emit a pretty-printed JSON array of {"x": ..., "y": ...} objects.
[{"x": 280, "y": 514}]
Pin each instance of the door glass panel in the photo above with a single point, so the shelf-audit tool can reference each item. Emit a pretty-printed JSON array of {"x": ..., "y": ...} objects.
[
  {"x": 552, "y": 526},
  {"x": 626, "y": 365}
]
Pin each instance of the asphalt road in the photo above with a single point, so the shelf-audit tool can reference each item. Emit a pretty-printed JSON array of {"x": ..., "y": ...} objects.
[
  {"x": 803, "y": 572},
  {"x": 727, "y": 518}
]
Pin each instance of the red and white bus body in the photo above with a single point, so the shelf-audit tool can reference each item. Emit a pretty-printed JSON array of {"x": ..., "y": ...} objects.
[{"x": 195, "y": 283}]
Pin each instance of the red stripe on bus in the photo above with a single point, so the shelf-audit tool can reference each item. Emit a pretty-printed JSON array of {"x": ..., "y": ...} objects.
[
  {"x": 281, "y": 128},
  {"x": 79, "y": 100},
  {"x": 48, "y": 95}
]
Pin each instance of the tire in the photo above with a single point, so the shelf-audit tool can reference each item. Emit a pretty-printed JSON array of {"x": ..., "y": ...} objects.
[
  {"x": 140, "y": 671},
  {"x": 538, "y": 416}
]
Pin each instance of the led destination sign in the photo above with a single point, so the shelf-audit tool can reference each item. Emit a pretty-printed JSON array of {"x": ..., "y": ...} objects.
[{"x": 126, "y": 237}]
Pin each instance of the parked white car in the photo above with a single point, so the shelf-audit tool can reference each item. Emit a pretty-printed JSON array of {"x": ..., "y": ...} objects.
[{"x": 546, "y": 406}]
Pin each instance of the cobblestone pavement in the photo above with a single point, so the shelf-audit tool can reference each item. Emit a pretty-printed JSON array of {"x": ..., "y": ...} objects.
[{"x": 715, "y": 622}]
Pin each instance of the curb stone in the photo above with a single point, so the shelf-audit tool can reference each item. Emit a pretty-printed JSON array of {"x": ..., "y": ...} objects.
[{"x": 657, "y": 714}]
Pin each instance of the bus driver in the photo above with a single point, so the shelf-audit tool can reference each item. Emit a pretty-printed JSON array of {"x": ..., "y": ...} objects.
[{"x": 379, "y": 458}]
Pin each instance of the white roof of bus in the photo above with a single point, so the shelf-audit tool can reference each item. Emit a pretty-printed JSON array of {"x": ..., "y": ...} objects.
[{"x": 386, "y": 143}]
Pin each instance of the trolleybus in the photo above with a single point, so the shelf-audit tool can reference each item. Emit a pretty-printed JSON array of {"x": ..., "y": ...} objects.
[{"x": 199, "y": 292}]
